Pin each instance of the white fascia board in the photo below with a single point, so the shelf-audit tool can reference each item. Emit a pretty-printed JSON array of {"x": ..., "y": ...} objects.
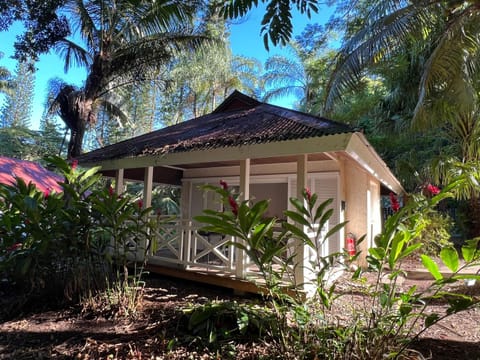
[
  {"x": 327, "y": 143},
  {"x": 363, "y": 152}
]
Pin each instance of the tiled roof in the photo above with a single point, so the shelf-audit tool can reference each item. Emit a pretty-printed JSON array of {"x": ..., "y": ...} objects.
[{"x": 239, "y": 120}]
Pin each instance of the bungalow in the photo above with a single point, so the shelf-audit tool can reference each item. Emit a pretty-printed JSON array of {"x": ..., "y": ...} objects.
[{"x": 268, "y": 152}]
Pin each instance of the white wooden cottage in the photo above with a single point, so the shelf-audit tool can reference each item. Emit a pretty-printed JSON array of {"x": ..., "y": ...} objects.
[{"x": 268, "y": 152}]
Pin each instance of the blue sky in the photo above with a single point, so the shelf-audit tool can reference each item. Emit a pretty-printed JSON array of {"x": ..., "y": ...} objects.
[{"x": 245, "y": 40}]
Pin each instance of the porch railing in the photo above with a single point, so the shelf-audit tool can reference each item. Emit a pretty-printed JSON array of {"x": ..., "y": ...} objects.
[{"x": 181, "y": 243}]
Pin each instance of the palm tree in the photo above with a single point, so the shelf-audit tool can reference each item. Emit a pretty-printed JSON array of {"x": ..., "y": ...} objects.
[
  {"x": 303, "y": 74},
  {"x": 123, "y": 42},
  {"x": 452, "y": 28}
]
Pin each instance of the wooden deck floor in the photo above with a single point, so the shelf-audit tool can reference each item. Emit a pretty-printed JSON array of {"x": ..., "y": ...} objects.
[{"x": 208, "y": 276}]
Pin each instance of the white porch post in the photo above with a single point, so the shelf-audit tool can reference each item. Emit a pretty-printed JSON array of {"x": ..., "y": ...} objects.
[
  {"x": 147, "y": 200},
  {"x": 119, "y": 174},
  {"x": 147, "y": 187},
  {"x": 185, "y": 223},
  {"x": 241, "y": 259},
  {"x": 300, "y": 251}
]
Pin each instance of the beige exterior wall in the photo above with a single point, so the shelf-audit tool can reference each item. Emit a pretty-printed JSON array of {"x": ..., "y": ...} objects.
[
  {"x": 362, "y": 196},
  {"x": 263, "y": 169}
]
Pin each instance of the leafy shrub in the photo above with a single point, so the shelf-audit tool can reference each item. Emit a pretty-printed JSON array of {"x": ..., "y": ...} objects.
[
  {"x": 222, "y": 321},
  {"x": 67, "y": 245},
  {"x": 436, "y": 234}
]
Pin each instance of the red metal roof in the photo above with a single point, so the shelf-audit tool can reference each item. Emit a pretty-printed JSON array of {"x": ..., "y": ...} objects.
[{"x": 30, "y": 172}]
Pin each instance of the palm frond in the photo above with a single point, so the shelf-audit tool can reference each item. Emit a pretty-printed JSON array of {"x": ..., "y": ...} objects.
[
  {"x": 451, "y": 66},
  {"x": 112, "y": 108},
  {"x": 380, "y": 38},
  {"x": 73, "y": 54},
  {"x": 139, "y": 58}
]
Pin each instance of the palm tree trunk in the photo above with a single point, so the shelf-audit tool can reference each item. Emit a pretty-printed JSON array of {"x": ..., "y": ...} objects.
[{"x": 76, "y": 111}]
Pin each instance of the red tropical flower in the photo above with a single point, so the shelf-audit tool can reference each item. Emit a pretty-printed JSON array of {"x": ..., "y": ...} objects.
[
  {"x": 46, "y": 193},
  {"x": 432, "y": 189},
  {"x": 224, "y": 184},
  {"x": 111, "y": 191},
  {"x": 140, "y": 203},
  {"x": 395, "y": 205},
  {"x": 14, "y": 247},
  {"x": 74, "y": 164},
  {"x": 233, "y": 205}
]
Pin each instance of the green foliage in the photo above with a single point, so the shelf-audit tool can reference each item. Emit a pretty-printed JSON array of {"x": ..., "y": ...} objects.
[
  {"x": 17, "y": 109},
  {"x": 392, "y": 317},
  {"x": 271, "y": 252},
  {"x": 219, "y": 322},
  {"x": 66, "y": 245},
  {"x": 397, "y": 317},
  {"x": 436, "y": 234},
  {"x": 276, "y": 23}
]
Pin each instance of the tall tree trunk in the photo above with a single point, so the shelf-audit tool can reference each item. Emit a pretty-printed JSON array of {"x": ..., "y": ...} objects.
[{"x": 76, "y": 111}]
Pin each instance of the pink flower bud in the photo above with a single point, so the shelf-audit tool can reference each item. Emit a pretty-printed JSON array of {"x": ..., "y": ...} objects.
[{"x": 308, "y": 193}]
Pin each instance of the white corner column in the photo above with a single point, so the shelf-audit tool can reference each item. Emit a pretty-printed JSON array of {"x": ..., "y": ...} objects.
[
  {"x": 147, "y": 187},
  {"x": 300, "y": 250},
  {"x": 147, "y": 202},
  {"x": 241, "y": 258},
  {"x": 119, "y": 175}
]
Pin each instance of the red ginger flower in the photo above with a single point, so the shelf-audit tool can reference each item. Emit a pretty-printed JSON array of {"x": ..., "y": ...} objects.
[
  {"x": 46, "y": 193},
  {"x": 394, "y": 202},
  {"x": 233, "y": 205},
  {"x": 432, "y": 189},
  {"x": 74, "y": 164},
  {"x": 224, "y": 184},
  {"x": 110, "y": 191},
  {"x": 140, "y": 203}
]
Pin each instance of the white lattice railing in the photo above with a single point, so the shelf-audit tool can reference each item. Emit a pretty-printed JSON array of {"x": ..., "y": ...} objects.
[{"x": 180, "y": 242}]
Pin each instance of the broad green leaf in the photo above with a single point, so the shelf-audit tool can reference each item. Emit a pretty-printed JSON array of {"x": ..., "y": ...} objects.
[
  {"x": 432, "y": 267},
  {"x": 470, "y": 250},
  {"x": 431, "y": 319},
  {"x": 299, "y": 233},
  {"x": 410, "y": 250},
  {"x": 377, "y": 253},
  {"x": 298, "y": 218},
  {"x": 459, "y": 302},
  {"x": 449, "y": 257},
  {"x": 298, "y": 204},
  {"x": 335, "y": 229},
  {"x": 321, "y": 208}
]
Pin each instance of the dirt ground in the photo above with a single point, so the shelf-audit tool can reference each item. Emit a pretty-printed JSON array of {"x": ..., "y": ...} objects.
[{"x": 73, "y": 334}]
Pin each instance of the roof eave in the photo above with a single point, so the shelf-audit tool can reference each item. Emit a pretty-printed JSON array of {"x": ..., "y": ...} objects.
[
  {"x": 327, "y": 143},
  {"x": 363, "y": 152}
]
